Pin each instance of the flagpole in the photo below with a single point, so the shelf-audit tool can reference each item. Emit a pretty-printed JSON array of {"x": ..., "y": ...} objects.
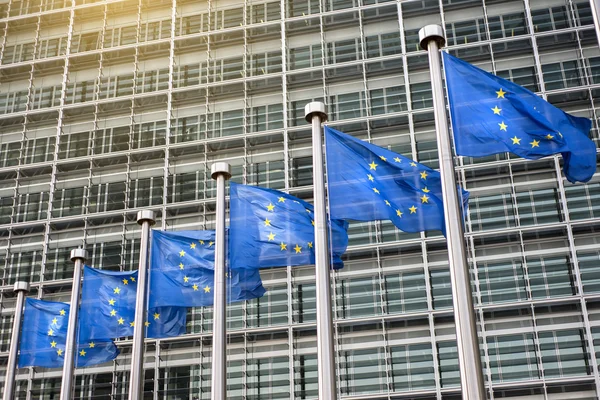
[
  {"x": 78, "y": 256},
  {"x": 220, "y": 171},
  {"x": 145, "y": 218},
  {"x": 315, "y": 114},
  {"x": 21, "y": 288},
  {"x": 431, "y": 38}
]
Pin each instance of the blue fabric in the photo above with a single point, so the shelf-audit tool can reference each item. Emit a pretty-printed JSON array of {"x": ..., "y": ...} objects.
[
  {"x": 44, "y": 334},
  {"x": 182, "y": 271},
  {"x": 270, "y": 228},
  {"x": 107, "y": 308},
  {"x": 367, "y": 183},
  {"x": 491, "y": 115}
]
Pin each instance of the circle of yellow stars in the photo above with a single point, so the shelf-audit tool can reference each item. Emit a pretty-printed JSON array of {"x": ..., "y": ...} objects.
[
  {"x": 271, "y": 237},
  {"x": 193, "y": 246}
]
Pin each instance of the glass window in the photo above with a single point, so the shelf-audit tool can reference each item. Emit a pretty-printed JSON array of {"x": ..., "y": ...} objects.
[
  {"x": 412, "y": 367},
  {"x": 512, "y": 357},
  {"x": 362, "y": 371},
  {"x": 358, "y": 297},
  {"x": 405, "y": 292},
  {"x": 448, "y": 361},
  {"x": 563, "y": 353},
  {"x": 550, "y": 277},
  {"x": 501, "y": 281}
]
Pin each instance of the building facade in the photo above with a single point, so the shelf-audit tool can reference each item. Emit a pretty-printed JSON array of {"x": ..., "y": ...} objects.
[{"x": 112, "y": 106}]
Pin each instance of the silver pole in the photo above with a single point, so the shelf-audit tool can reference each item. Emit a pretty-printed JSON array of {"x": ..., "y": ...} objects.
[
  {"x": 431, "y": 38},
  {"x": 78, "y": 256},
  {"x": 220, "y": 171},
  {"x": 146, "y": 219},
  {"x": 595, "y": 6},
  {"x": 21, "y": 288},
  {"x": 315, "y": 113}
]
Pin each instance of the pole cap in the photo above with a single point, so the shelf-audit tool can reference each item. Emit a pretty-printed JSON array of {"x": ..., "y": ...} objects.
[
  {"x": 21, "y": 286},
  {"x": 146, "y": 215},
  {"x": 78, "y": 254},
  {"x": 315, "y": 109},
  {"x": 220, "y": 168},
  {"x": 429, "y": 33}
]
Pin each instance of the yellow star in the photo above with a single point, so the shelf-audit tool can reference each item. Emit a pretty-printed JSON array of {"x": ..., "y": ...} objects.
[
  {"x": 515, "y": 140},
  {"x": 370, "y": 177},
  {"x": 53, "y": 343},
  {"x": 387, "y": 203},
  {"x": 117, "y": 290},
  {"x": 82, "y": 353},
  {"x": 125, "y": 282},
  {"x": 207, "y": 289},
  {"x": 535, "y": 143},
  {"x": 146, "y": 324},
  {"x": 201, "y": 241},
  {"x": 375, "y": 190},
  {"x": 310, "y": 245},
  {"x": 195, "y": 287},
  {"x": 185, "y": 279},
  {"x": 59, "y": 352},
  {"x": 373, "y": 166},
  {"x": 399, "y": 213},
  {"x": 121, "y": 321},
  {"x": 132, "y": 279},
  {"x": 501, "y": 93},
  {"x": 413, "y": 210},
  {"x": 560, "y": 134},
  {"x": 180, "y": 265},
  {"x": 503, "y": 126},
  {"x": 425, "y": 190},
  {"x": 397, "y": 159},
  {"x": 192, "y": 246},
  {"x": 283, "y": 246},
  {"x": 111, "y": 302},
  {"x": 383, "y": 158},
  {"x": 92, "y": 345},
  {"x": 307, "y": 210},
  {"x": 413, "y": 164},
  {"x": 424, "y": 175},
  {"x": 55, "y": 321},
  {"x": 50, "y": 332},
  {"x": 113, "y": 313},
  {"x": 62, "y": 312},
  {"x": 312, "y": 221},
  {"x": 267, "y": 222},
  {"x": 281, "y": 200},
  {"x": 156, "y": 316},
  {"x": 298, "y": 249},
  {"x": 424, "y": 199},
  {"x": 496, "y": 110},
  {"x": 132, "y": 324},
  {"x": 549, "y": 136},
  {"x": 271, "y": 236},
  {"x": 181, "y": 253},
  {"x": 270, "y": 207},
  {"x": 210, "y": 244}
]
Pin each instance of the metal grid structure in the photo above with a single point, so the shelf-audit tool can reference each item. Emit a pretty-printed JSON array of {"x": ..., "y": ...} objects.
[{"x": 110, "y": 107}]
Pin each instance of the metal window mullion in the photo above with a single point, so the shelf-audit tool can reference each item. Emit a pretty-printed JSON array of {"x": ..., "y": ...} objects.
[
  {"x": 387, "y": 357},
  {"x": 245, "y": 73},
  {"x": 285, "y": 99}
]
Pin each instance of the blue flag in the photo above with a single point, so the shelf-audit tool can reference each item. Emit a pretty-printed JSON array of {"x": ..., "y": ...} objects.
[
  {"x": 270, "y": 228},
  {"x": 491, "y": 115},
  {"x": 367, "y": 183},
  {"x": 107, "y": 308},
  {"x": 182, "y": 271},
  {"x": 44, "y": 335}
]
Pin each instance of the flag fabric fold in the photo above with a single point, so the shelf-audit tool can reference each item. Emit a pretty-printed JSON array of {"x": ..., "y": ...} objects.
[
  {"x": 270, "y": 228},
  {"x": 182, "y": 271},
  {"x": 44, "y": 334},
  {"x": 492, "y": 115},
  {"x": 107, "y": 308},
  {"x": 367, "y": 183}
]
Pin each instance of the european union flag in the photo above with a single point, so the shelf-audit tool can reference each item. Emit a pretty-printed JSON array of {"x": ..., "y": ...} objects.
[
  {"x": 182, "y": 271},
  {"x": 491, "y": 115},
  {"x": 44, "y": 335},
  {"x": 270, "y": 228},
  {"x": 367, "y": 183},
  {"x": 107, "y": 308}
]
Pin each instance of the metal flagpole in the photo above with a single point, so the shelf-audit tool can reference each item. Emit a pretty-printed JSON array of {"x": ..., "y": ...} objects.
[
  {"x": 21, "y": 288},
  {"x": 431, "y": 38},
  {"x": 595, "y": 6},
  {"x": 315, "y": 114},
  {"x": 145, "y": 218},
  {"x": 78, "y": 256},
  {"x": 220, "y": 171}
]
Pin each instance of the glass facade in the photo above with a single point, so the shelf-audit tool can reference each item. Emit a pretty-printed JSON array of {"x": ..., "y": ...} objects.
[{"x": 112, "y": 106}]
